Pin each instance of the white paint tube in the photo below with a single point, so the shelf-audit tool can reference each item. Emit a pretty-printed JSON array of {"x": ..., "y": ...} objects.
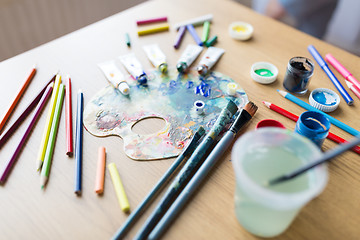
[
  {"x": 114, "y": 76},
  {"x": 191, "y": 52},
  {"x": 212, "y": 55},
  {"x": 156, "y": 57}
]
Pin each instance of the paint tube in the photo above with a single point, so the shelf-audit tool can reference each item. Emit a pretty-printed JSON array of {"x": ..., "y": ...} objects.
[
  {"x": 114, "y": 76},
  {"x": 188, "y": 57},
  {"x": 211, "y": 56},
  {"x": 134, "y": 67},
  {"x": 156, "y": 57}
]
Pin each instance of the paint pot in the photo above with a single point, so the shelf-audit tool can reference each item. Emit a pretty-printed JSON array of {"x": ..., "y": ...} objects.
[
  {"x": 269, "y": 123},
  {"x": 199, "y": 107},
  {"x": 264, "y": 72},
  {"x": 241, "y": 30},
  {"x": 298, "y": 73},
  {"x": 324, "y": 99},
  {"x": 313, "y": 125}
]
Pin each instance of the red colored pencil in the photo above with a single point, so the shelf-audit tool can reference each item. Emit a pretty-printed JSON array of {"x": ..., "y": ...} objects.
[
  {"x": 17, "y": 98},
  {"x": 22, "y": 117},
  {"x": 293, "y": 117},
  {"x": 68, "y": 119}
]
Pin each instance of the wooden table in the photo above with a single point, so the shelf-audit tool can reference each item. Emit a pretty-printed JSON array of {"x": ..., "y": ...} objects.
[{"x": 27, "y": 212}]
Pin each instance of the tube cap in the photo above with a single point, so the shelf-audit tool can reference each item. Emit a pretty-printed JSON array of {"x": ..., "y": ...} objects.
[
  {"x": 241, "y": 30},
  {"x": 124, "y": 88},
  {"x": 264, "y": 72},
  {"x": 324, "y": 99}
]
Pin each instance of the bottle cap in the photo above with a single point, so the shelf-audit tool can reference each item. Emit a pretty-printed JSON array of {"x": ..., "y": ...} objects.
[
  {"x": 231, "y": 88},
  {"x": 142, "y": 79},
  {"x": 324, "y": 99},
  {"x": 199, "y": 106},
  {"x": 241, "y": 30},
  {"x": 202, "y": 70},
  {"x": 124, "y": 88},
  {"x": 163, "y": 67},
  {"x": 181, "y": 67},
  {"x": 264, "y": 72}
]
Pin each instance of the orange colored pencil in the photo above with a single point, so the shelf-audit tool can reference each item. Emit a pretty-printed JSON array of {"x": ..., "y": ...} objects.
[
  {"x": 100, "y": 172},
  {"x": 68, "y": 119},
  {"x": 17, "y": 98}
]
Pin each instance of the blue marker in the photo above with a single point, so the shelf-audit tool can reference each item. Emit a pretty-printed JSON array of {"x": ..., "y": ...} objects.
[{"x": 330, "y": 74}]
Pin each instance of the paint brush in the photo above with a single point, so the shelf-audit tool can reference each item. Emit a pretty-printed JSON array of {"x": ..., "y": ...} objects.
[
  {"x": 187, "y": 171},
  {"x": 244, "y": 116},
  {"x": 327, "y": 156},
  {"x": 188, "y": 150}
]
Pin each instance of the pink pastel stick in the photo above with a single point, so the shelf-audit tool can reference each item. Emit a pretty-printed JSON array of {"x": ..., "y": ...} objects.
[
  {"x": 151, "y": 20},
  {"x": 342, "y": 70}
]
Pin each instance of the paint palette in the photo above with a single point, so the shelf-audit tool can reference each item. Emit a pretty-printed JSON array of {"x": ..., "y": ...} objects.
[{"x": 170, "y": 97}]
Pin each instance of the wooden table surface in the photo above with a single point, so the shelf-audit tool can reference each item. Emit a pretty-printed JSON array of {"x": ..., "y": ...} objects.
[{"x": 27, "y": 212}]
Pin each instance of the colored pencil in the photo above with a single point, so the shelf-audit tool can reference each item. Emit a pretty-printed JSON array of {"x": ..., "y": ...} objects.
[
  {"x": 68, "y": 118},
  {"x": 17, "y": 98},
  {"x": 195, "y": 21},
  {"x": 193, "y": 33},
  {"x": 205, "y": 33},
  {"x": 308, "y": 107},
  {"x": 119, "y": 188},
  {"x": 179, "y": 36},
  {"x": 327, "y": 156},
  {"x": 294, "y": 117},
  {"x": 187, "y": 171},
  {"x": 45, "y": 171},
  {"x": 40, "y": 106},
  {"x": 151, "y": 20},
  {"x": 100, "y": 171},
  {"x": 158, "y": 186},
  {"x": 342, "y": 70},
  {"x": 48, "y": 123},
  {"x": 78, "y": 144},
  {"x": 244, "y": 116},
  {"x": 330, "y": 74},
  {"x": 25, "y": 113},
  {"x": 153, "y": 29},
  {"x": 353, "y": 88}
]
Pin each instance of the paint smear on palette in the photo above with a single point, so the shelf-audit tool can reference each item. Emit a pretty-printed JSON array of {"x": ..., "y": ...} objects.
[{"x": 170, "y": 97}]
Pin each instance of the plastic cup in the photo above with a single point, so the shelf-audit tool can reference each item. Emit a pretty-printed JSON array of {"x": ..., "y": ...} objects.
[{"x": 264, "y": 154}]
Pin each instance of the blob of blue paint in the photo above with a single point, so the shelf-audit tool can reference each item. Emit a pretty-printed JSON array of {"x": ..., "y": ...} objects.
[
  {"x": 325, "y": 98},
  {"x": 189, "y": 84}
]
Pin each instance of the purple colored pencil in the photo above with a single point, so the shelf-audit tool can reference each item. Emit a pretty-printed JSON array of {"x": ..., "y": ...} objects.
[
  {"x": 151, "y": 20},
  {"x": 193, "y": 33},
  {"x": 26, "y": 112},
  {"x": 8, "y": 166},
  {"x": 179, "y": 36}
]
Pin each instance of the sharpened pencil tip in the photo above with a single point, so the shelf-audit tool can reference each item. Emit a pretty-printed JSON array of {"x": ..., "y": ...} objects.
[
  {"x": 34, "y": 66},
  {"x": 267, "y": 104},
  {"x": 80, "y": 91},
  {"x": 42, "y": 186}
]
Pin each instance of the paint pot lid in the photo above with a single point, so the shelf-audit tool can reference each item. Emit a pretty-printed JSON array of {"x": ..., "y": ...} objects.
[
  {"x": 241, "y": 30},
  {"x": 324, "y": 99},
  {"x": 264, "y": 72}
]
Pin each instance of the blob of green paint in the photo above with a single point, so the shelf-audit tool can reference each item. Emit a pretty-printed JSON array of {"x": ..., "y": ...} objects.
[{"x": 264, "y": 72}]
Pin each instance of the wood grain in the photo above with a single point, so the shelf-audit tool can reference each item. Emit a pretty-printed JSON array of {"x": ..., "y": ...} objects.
[{"x": 56, "y": 213}]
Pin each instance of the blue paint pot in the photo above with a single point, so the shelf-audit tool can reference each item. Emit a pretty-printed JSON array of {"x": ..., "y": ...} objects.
[{"x": 313, "y": 125}]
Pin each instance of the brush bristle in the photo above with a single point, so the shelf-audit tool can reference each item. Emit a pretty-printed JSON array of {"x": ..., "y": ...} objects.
[
  {"x": 251, "y": 108},
  {"x": 231, "y": 106},
  {"x": 201, "y": 131}
]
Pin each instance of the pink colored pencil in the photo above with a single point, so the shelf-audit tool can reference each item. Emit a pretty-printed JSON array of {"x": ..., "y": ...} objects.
[
  {"x": 151, "y": 20},
  {"x": 353, "y": 88},
  {"x": 8, "y": 166},
  {"x": 68, "y": 119},
  {"x": 100, "y": 172}
]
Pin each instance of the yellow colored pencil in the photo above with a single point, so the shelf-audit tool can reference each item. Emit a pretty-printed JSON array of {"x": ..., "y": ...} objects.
[
  {"x": 153, "y": 29},
  {"x": 48, "y": 123},
  {"x": 119, "y": 188}
]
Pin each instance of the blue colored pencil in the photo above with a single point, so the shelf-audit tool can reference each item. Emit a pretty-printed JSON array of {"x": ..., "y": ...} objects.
[
  {"x": 187, "y": 171},
  {"x": 78, "y": 143},
  {"x": 244, "y": 116},
  {"x": 308, "y": 107},
  {"x": 136, "y": 213},
  {"x": 193, "y": 33},
  {"x": 330, "y": 74}
]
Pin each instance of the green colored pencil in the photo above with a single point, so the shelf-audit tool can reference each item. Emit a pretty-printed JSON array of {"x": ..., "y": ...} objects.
[
  {"x": 52, "y": 137},
  {"x": 205, "y": 33}
]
